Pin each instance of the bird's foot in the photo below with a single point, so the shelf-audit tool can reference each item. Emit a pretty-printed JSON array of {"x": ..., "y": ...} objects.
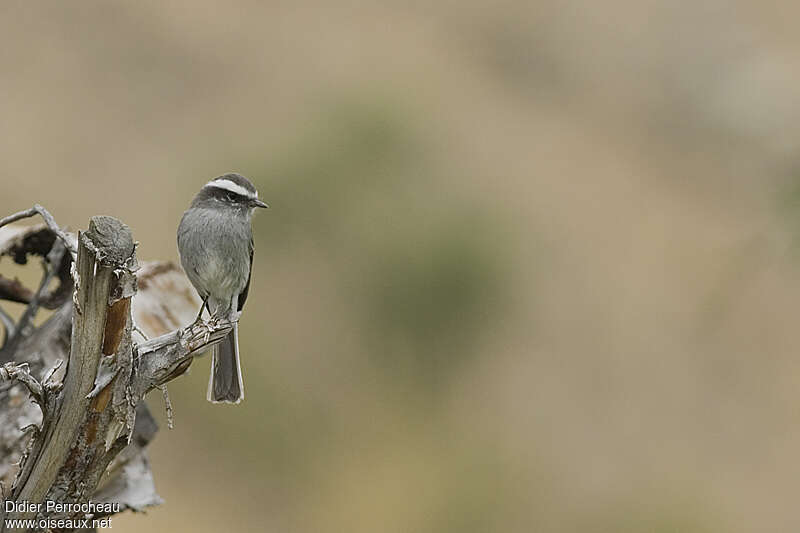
[
  {"x": 213, "y": 322},
  {"x": 211, "y": 326}
]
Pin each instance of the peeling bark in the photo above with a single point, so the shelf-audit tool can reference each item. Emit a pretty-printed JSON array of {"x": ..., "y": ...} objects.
[{"x": 84, "y": 435}]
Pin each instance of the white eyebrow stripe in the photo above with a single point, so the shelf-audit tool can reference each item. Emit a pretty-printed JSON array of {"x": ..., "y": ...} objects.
[{"x": 228, "y": 185}]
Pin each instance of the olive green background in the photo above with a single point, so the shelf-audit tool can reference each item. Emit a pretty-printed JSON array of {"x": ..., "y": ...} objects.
[{"x": 529, "y": 266}]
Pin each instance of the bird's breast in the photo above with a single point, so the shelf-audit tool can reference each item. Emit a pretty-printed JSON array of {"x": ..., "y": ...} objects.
[{"x": 215, "y": 251}]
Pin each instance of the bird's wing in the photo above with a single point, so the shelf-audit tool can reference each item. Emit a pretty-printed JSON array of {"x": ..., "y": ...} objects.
[{"x": 243, "y": 294}]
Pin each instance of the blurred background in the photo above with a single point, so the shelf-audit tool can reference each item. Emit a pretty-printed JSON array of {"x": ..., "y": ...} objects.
[{"x": 529, "y": 266}]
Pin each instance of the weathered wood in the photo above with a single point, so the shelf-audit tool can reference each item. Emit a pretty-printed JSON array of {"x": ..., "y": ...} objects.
[
  {"x": 71, "y": 436},
  {"x": 89, "y": 440},
  {"x": 19, "y": 243},
  {"x": 48, "y": 220},
  {"x": 44, "y": 351},
  {"x": 166, "y": 357}
]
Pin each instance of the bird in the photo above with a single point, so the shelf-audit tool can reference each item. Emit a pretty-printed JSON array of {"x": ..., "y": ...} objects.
[{"x": 215, "y": 245}]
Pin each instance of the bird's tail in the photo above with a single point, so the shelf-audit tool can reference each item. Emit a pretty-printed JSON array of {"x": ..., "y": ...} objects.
[{"x": 225, "y": 383}]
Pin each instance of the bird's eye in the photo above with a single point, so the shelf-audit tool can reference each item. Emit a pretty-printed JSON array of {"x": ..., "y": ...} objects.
[{"x": 230, "y": 197}]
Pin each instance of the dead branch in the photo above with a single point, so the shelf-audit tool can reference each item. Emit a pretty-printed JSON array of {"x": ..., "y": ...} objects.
[
  {"x": 21, "y": 373},
  {"x": 14, "y": 291},
  {"x": 166, "y": 357},
  {"x": 8, "y": 326},
  {"x": 18, "y": 243},
  {"x": 48, "y": 219},
  {"x": 89, "y": 439},
  {"x": 22, "y": 327}
]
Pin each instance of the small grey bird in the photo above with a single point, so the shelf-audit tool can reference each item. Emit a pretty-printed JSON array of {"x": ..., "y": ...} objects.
[{"x": 215, "y": 242}]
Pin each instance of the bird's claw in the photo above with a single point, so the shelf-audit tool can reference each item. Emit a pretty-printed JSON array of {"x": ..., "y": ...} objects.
[{"x": 211, "y": 326}]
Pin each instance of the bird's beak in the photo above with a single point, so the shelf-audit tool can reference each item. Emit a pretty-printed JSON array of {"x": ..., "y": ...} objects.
[{"x": 258, "y": 203}]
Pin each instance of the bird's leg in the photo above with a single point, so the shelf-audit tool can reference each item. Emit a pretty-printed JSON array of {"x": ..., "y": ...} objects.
[
  {"x": 199, "y": 320},
  {"x": 202, "y": 307}
]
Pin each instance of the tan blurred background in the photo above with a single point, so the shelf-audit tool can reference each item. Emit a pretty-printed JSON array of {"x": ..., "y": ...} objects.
[{"x": 527, "y": 267}]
